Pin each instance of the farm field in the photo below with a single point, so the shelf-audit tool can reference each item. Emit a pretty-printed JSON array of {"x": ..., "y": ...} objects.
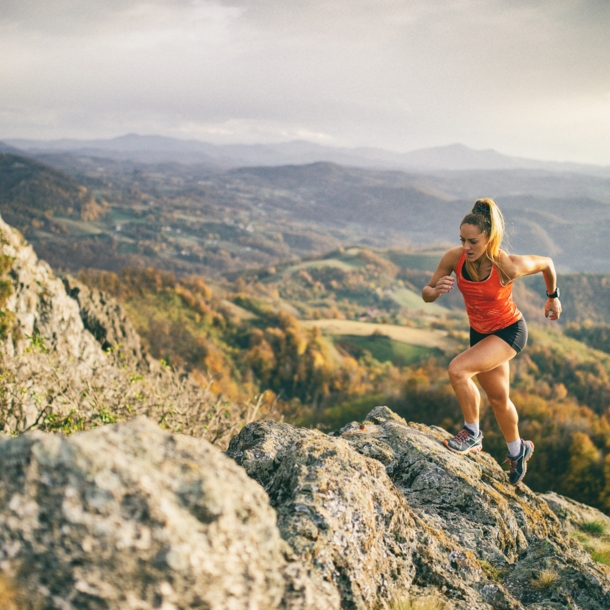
[
  {"x": 384, "y": 349},
  {"x": 430, "y": 338}
]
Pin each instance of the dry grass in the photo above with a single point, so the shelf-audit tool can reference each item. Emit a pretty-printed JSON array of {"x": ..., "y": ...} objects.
[
  {"x": 427, "y": 602},
  {"x": 47, "y": 391},
  {"x": 601, "y": 555},
  {"x": 544, "y": 579}
]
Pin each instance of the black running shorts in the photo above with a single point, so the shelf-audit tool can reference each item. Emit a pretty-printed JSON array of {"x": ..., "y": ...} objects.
[{"x": 515, "y": 335}]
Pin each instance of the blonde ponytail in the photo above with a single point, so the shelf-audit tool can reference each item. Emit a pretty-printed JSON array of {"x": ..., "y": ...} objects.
[{"x": 486, "y": 215}]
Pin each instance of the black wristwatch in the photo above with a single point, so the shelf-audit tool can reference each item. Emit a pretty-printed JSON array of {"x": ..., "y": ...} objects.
[{"x": 553, "y": 295}]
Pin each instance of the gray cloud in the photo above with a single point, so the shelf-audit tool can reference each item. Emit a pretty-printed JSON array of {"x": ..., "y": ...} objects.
[{"x": 525, "y": 77}]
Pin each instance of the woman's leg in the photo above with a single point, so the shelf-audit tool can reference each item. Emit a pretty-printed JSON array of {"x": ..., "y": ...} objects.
[
  {"x": 496, "y": 386},
  {"x": 485, "y": 356}
]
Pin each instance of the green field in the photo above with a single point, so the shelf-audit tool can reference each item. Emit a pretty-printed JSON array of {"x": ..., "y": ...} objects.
[
  {"x": 411, "y": 300},
  {"x": 384, "y": 349}
]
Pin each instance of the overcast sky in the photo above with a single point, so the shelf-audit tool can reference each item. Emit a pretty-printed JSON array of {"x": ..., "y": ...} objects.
[{"x": 525, "y": 77}]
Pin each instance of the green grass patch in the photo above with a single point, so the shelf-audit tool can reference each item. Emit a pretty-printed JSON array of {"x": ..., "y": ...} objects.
[
  {"x": 384, "y": 349},
  {"x": 591, "y": 535},
  {"x": 601, "y": 556},
  {"x": 593, "y": 528}
]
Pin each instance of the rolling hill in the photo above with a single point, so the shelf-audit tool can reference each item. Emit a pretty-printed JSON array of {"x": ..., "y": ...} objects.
[{"x": 34, "y": 196}]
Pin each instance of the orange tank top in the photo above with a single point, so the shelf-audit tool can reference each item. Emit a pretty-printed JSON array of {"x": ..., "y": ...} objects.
[{"x": 489, "y": 304}]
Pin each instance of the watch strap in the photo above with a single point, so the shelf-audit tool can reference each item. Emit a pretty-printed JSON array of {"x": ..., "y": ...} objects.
[{"x": 553, "y": 295}]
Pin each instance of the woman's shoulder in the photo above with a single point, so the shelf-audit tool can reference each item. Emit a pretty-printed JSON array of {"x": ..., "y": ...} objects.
[
  {"x": 450, "y": 259},
  {"x": 508, "y": 264},
  {"x": 454, "y": 254},
  {"x": 448, "y": 262}
]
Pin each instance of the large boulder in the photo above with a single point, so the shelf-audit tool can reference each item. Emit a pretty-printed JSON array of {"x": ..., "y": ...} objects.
[
  {"x": 131, "y": 517},
  {"x": 383, "y": 507}
]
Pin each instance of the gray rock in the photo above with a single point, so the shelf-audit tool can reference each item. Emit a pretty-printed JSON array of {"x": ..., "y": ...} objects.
[
  {"x": 105, "y": 319},
  {"x": 42, "y": 307},
  {"x": 129, "y": 516},
  {"x": 385, "y": 508}
]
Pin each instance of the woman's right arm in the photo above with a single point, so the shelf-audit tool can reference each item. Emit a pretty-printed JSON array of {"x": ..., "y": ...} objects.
[{"x": 442, "y": 282}]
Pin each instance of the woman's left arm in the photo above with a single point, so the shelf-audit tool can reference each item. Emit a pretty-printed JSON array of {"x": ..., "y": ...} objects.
[{"x": 520, "y": 266}]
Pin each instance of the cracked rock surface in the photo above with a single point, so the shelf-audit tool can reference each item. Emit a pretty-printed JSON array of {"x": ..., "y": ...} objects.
[{"x": 382, "y": 507}]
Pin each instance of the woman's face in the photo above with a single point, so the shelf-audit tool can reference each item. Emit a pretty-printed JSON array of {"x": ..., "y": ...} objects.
[{"x": 473, "y": 241}]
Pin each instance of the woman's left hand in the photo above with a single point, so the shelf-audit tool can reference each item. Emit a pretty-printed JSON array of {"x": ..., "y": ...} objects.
[{"x": 552, "y": 309}]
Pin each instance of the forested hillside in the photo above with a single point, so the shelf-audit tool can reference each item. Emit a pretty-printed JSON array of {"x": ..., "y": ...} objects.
[{"x": 35, "y": 197}]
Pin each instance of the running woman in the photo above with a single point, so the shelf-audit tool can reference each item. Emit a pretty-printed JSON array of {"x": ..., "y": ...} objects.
[{"x": 485, "y": 276}]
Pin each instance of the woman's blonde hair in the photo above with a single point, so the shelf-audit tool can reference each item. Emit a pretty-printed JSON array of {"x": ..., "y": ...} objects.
[{"x": 487, "y": 217}]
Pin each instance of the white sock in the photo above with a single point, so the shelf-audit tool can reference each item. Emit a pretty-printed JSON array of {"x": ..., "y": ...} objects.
[
  {"x": 474, "y": 427},
  {"x": 514, "y": 448}
]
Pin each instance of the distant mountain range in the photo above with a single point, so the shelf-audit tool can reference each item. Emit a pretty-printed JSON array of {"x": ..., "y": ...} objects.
[{"x": 159, "y": 149}]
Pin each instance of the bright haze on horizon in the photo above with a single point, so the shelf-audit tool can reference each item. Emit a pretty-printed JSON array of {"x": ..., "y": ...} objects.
[{"x": 525, "y": 77}]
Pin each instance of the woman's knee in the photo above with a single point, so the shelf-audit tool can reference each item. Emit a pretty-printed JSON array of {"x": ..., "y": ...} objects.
[{"x": 457, "y": 372}]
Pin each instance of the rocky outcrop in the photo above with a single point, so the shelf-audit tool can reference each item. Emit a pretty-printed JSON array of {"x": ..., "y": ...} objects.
[
  {"x": 384, "y": 508},
  {"x": 132, "y": 517},
  {"x": 68, "y": 316},
  {"x": 105, "y": 319},
  {"x": 41, "y": 306}
]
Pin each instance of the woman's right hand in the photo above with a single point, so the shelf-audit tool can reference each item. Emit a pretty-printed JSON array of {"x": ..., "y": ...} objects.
[
  {"x": 444, "y": 285},
  {"x": 441, "y": 281}
]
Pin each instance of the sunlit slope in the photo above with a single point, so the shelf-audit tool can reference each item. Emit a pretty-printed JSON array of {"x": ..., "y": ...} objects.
[{"x": 355, "y": 282}]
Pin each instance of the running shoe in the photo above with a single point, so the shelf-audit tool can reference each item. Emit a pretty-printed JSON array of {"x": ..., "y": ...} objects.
[
  {"x": 465, "y": 442},
  {"x": 518, "y": 464}
]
